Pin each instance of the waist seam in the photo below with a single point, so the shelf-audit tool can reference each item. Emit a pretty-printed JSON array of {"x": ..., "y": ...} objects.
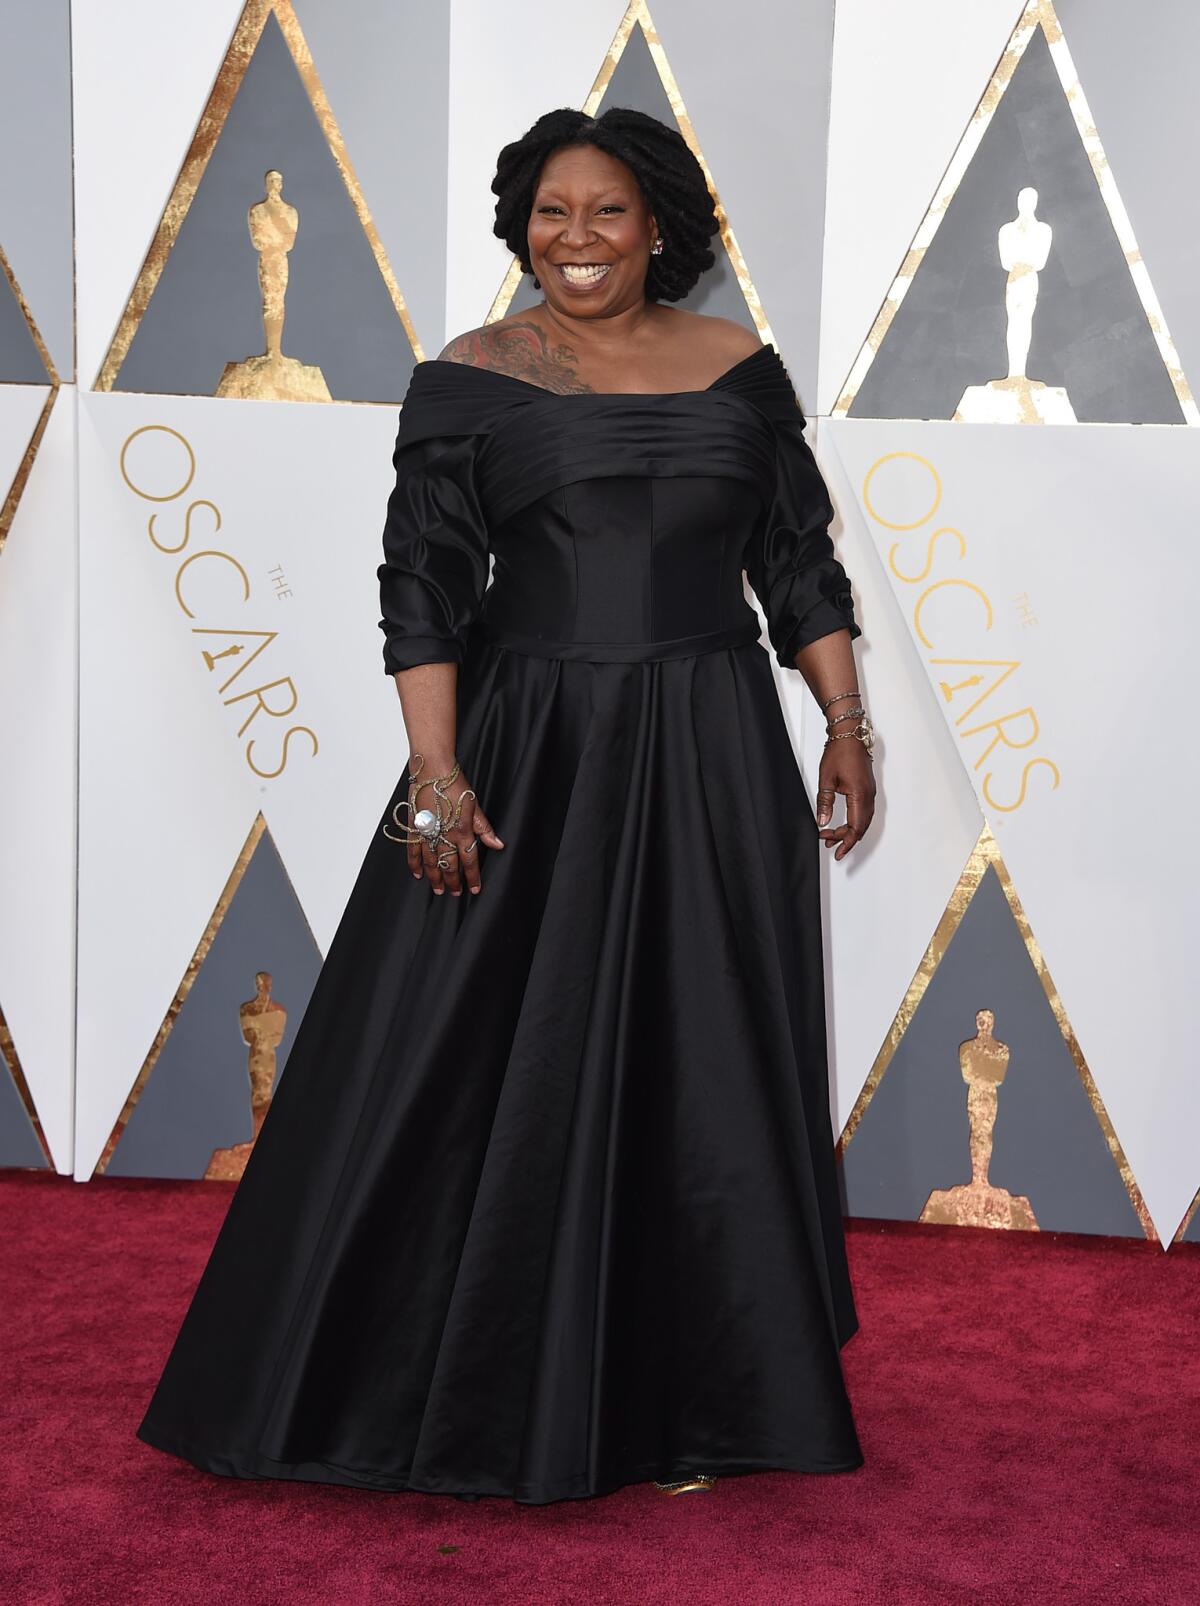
[{"x": 620, "y": 652}]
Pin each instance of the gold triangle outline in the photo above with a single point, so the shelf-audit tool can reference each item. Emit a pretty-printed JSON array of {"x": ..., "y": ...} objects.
[
  {"x": 200, "y": 954},
  {"x": 12, "y": 1062},
  {"x": 8, "y": 509},
  {"x": 43, "y": 351},
  {"x": 1037, "y": 14},
  {"x": 987, "y": 852},
  {"x": 209, "y": 128},
  {"x": 1189, "y": 1215},
  {"x": 637, "y": 14}
]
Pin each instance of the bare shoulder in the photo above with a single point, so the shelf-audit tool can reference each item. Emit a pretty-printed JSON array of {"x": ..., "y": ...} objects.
[
  {"x": 521, "y": 347},
  {"x": 470, "y": 348},
  {"x": 723, "y": 340}
]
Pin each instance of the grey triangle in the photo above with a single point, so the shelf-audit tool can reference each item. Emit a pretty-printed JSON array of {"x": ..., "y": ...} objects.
[
  {"x": 197, "y": 1097},
  {"x": 1090, "y": 334},
  {"x": 913, "y": 1137},
  {"x": 36, "y": 188},
  {"x": 20, "y": 360},
  {"x": 19, "y": 1144},
  {"x": 206, "y": 309},
  {"x": 635, "y": 82}
]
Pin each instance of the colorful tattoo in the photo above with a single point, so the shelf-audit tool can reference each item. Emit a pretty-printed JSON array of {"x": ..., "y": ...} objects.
[{"x": 520, "y": 349}]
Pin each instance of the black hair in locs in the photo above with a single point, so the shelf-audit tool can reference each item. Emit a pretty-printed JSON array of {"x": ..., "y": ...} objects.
[{"x": 669, "y": 176}]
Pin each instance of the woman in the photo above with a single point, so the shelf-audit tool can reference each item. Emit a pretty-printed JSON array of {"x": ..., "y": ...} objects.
[{"x": 545, "y": 1202}]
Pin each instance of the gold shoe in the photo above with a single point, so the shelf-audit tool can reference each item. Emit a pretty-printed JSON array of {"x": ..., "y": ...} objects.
[{"x": 699, "y": 1480}]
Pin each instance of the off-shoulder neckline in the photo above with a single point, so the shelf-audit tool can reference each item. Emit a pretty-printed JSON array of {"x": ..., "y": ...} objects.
[{"x": 621, "y": 395}]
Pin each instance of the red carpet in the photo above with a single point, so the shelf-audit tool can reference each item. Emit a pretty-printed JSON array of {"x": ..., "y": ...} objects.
[{"x": 1028, "y": 1408}]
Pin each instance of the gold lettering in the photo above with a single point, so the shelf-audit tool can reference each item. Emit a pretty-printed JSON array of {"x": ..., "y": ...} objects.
[
  {"x": 195, "y": 558},
  {"x": 236, "y": 635},
  {"x": 1030, "y": 763},
  {"x": 948, "y": 689},
  {"x": 891, "y": 524},
  {"x": 187, "y": 525},
  {"x": 294, "y": 730},
  {"x": 1001, "y": 735},
  {"x": 260, "y": 702},
  {"x": 937, "y": 585},
  {"x": 1008, "y": 665},
  {"x": 911, "y": 579},
  {"x": 164, "y": 429}
]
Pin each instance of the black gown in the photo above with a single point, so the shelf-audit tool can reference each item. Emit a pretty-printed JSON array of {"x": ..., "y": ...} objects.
[{"x": 545, "y": 1201}]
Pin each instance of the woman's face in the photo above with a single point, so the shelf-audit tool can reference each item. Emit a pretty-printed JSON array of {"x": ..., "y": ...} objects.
[{"x": 590, "y": 233}]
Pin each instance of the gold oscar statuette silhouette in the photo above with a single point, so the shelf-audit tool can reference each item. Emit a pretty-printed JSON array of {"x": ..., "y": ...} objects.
[
  {"x": 262, "y": 1021},
  {"x": 983, "y": 1060},
  {"x": 1024, "y": 247},
  {"x": 270, "y": 375}
]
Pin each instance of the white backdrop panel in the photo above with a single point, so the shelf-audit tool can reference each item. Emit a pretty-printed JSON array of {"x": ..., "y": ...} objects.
[
  {"x": 20, "y": 406},
  {"x": 286, "y": 504},
  {"x": 1061, "y": 553},
  {"x": 906, "y": 80},
  {"x": 142, "y": 72},
  {"x": 883, "y": 901},
  {"x": 505, "y": 70},
  {"x": 37, "y": 807}
]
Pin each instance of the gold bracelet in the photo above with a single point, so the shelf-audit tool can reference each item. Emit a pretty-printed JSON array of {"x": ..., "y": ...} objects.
[
  {"x": 838, "y": 697},
  {"x": 864, "y": 732}
]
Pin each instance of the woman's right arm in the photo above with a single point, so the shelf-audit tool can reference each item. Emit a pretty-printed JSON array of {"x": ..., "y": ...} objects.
[
  {"x": 429, "y": 703},
  {"x": 431, "y": 585}
]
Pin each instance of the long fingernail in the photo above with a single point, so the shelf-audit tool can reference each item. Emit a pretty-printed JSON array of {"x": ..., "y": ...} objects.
[{"x": 437, "y": 891}]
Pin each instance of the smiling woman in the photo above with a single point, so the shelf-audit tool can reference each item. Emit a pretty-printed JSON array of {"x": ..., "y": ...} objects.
[{"x": 546, "y": 1203}]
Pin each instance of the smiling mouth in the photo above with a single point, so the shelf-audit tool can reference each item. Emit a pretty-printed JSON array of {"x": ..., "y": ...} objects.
[{"x": 584, "y": 274}]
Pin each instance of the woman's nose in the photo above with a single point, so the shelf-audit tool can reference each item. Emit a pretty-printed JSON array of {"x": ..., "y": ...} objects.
[{"x": 577, "y": 231}]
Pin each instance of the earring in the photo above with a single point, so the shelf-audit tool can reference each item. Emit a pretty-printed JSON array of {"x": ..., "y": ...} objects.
[{"x": 656, "y": 248}]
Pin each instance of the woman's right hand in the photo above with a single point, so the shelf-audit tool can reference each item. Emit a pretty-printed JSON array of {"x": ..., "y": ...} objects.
[{"x": 463, "y": 859}]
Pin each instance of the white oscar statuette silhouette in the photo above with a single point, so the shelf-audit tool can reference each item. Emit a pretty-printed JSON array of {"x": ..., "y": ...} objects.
[{"x": 1024, "y": 247}]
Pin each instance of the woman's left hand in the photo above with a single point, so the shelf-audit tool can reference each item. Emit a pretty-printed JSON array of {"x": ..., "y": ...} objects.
[{"x": 845, "y": 769}]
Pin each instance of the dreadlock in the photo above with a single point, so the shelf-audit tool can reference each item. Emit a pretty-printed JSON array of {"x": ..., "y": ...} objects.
[{"x": 669, "y": 176}]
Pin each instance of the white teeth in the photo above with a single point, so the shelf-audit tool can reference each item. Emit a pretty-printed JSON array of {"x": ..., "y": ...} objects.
[{"x": 583, "y": 274}]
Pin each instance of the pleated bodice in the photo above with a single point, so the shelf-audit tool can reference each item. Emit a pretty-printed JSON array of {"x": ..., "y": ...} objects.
[{"x": 617, "y": 525}]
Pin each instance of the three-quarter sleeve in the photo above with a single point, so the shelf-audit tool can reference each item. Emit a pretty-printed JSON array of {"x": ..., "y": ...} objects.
[
  {"x": 435, "y": 551},
  {"x": 790, "y": 563}
]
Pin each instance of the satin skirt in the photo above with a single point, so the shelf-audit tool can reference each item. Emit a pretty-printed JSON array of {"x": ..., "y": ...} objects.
[{"x": 545, "y": 1202}]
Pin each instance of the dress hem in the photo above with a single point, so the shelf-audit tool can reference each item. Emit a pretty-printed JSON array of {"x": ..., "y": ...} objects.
[{"x": 257, "y": 1466}]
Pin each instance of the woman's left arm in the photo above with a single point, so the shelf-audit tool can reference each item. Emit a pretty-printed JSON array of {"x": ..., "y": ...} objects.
[
  {"x": 828, "y": 667},
  {"x": 805, "y": 595}
]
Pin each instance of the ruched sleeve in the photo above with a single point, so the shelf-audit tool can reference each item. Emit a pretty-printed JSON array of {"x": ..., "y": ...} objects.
[
  {"x": 435, "y": 550},
  {"x": 789, "y": 560}
]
